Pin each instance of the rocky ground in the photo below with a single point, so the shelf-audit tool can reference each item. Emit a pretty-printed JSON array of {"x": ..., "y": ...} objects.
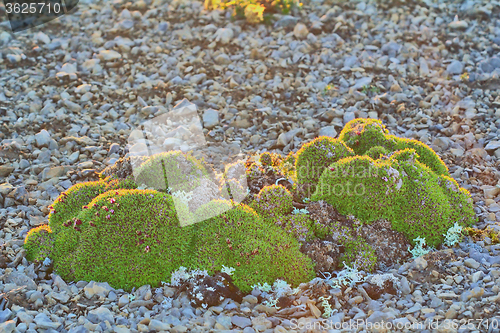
[{"x": 71, "y": 91}]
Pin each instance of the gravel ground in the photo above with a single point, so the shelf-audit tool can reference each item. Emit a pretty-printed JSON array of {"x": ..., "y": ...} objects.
[{"x": 71, "y": 91}]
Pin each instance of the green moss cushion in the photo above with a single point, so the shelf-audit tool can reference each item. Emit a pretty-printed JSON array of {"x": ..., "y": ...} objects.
[
  {"x": 259, "y": 251},
  {"x": 417, "y": 200},
  {"x": 363, "y": 134},
  {"x": 316, "y": 156},
  {"x": 173, "y": 169}
]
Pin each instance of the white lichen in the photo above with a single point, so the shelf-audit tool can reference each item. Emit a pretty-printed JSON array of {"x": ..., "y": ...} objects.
[
  {"x": 228, "y": 270},
  {"x": 300, "y": 211},
  {"x": 419, "y": 250},
  {"x": 183, "y": 196},
  {"x": 281, "y": 288},
  {"x": 453, "y": 235},
  {"x": 272, "y": 303},
  {"x": 179, "y": 276},
  {"x": 349, "y": 276},
  {"x": 263, "y": 287},
  {"x": 328, "y": 311},
  {"x": 380, "y": 279}
]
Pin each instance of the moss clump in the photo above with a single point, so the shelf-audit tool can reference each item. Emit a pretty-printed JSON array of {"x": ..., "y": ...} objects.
[
  {"x": 131, "y": 237},
  {"x": 417, "y": 201},
  {"x": 363, "y": 134},
  {"x": 300, "y": 226},
  {"x": 127, "y": 238},
  {"x": 259, "y": 251},
  {"x": 316, "y": 156},
  {"x": 39, "y": 243},
  {"x": 273, "y": 200},
  {"x": 71, "y": 202},
  {"x": 376, "y": 152},
  {"x": 172, "y": 169}
]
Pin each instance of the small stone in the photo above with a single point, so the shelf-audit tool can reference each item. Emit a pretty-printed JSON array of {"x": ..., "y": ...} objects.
[
  {"x": 405, "y": 286},
  {"x": 69, "y": 68},
  {"x": 8, "y": 327},
  {"x": 41, "y": 37},
  {"x": 123, "y": 300},
  {"x": 5, "y": 170},
  {"x": 455, "y": 67},
  {"x": 424, "y": 67},
  {"x": 5, "y": 315},
  {"x": 44, "y": 322},
  {"x": 42, "y": 138},
  {"x": 20, "y": 279},
  {"x": 6, "y": 188},
  {"x": 57, "y": 171},
  {"x": 286, "y": 21},
  {"x": 492, "y": 145},
  {"x": 474, "y": 293},
  {"x": 471, "y": 263},
  {"x": 396, "y": 88},
  {"x": 222, "y": 59},
  {"x": 109, "y": 55},
  {"x": 224, "y": 35},
  {"x": 458, "y": 25},
  {"x": 420, "y": 263},
  {"x": 179, "y": 329},
  {"x": 83, "y": 88},
  {"x": 348, "y": 116},
  {"x": 156, "y": 325},
  {"x": 328, "y": 131},
  {"x": 73, "y": 157},
  {"x": 100, "y": 315},
  {"x": 241, "y": 322},
  {"x": 300, "y": 31},
  {"x": 250, "y": 299},
  {"x": 490, "y": 192},
  {"x": 317, "y": 312},
  {"x": 210, "y": 118},
  {"x": 97, "y": 288}
]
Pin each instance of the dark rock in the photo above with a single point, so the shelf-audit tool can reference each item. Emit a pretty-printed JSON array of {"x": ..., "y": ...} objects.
[
  {"x": 211, "y": 290},
  {"x": 390, "y": 246},
  {"x": 375, "y": 291},
  {"x": 324, "y": 254}
]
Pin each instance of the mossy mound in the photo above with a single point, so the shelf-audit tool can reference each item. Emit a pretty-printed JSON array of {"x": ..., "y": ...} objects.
[
  {"x": 376, "y": 152},
  {"x": 258, "y": 250},
  {"x": 363, "y": 134},
  {"x": 131, "y": 237},
  {"x": 316, "y": 156},
  {"x": 417, "y": 201},
  {"x": 39, "y": 243},
  {"x": 172, "y": 169},
  {"x": 114, "y": 231},
  {"x": 273, "y": 200}
]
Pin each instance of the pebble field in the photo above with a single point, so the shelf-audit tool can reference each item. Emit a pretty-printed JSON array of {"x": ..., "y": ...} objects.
[{"x": 71, "y": 92}]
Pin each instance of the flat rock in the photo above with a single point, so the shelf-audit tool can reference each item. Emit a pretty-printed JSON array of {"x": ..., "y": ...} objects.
[
  {"x": 97, "y": 288},
  {"x": 210, "y": 118},
  {"x": 328, "y": 131},
  {"x": 44, "y": 322},
  {"x": 241, "y": 322},
  {"x": 42, "y": 138},
  {"x": 100, "y": 315}
]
